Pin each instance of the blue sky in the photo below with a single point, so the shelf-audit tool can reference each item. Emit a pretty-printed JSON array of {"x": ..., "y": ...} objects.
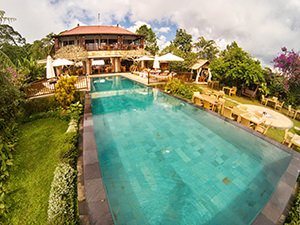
[{"x": 261, "y": 27}]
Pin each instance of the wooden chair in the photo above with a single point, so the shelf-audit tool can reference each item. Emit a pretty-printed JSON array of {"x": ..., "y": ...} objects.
[
  {"x": 263, "y": 128},
  {"x": 259, "y": 114},
  {"x": 232, "y": 91},
  {"x": 245, "y": 122},
  {"x": 227, "y": 112},
  {"x": 220, "y": 107},
  {"x": 263, "y": 100},
  {"x": 295, "y": 141},
  {"x": 207, "y": 105},
  {"x": 291, "y": 111},
  {"x": 279, "y": 105},
  {"x": 287, "y": 137}
]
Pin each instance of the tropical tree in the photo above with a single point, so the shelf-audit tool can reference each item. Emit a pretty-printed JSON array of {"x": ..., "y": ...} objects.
[
  {"x": 31, "y": 69},
  {"x": 235, "y": 67},
  {"x": 40, "y": 49},
  {"x": 183, "y": 40},
  {"x": 206, "y": 49},
  {"x": 150, "y": 39}
]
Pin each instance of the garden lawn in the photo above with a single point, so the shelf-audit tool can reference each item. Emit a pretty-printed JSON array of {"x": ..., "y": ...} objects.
[{"x": 35, "y": 160}]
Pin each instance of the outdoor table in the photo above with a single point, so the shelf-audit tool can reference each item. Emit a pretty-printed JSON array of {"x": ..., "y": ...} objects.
[
  {"x": 271, "y": 100},
  {"x": 238, "y": 112},
  {"x": 211, "y": 99},
  {"x": 253, "y": 119}
]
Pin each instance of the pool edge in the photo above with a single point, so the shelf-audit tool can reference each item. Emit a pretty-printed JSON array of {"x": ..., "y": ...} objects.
[{"x": 97, "y": 204}]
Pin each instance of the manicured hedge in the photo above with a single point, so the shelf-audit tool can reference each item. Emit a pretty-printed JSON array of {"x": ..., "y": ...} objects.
[
  {"x": 62, "y": 199},
  {"x": 293, "y": 217}
]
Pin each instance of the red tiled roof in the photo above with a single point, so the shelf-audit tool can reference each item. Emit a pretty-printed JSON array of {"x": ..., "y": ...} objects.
[{"x": 96, "y": 30}]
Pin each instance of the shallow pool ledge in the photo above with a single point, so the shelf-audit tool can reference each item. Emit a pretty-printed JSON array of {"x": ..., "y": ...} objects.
[
  {"x": 97, "y": 204},
  {"x": 274, "y": 209}
]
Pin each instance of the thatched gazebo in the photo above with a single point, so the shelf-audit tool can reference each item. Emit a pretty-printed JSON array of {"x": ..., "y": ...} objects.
[{"x": 202, "y": 69}]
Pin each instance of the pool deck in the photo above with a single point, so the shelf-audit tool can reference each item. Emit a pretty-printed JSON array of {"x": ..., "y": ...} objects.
[{"x": 97, "y": 204}]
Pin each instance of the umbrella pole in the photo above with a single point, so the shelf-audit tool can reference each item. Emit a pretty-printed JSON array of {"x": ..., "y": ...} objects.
[{"x": 148, "y": 76}]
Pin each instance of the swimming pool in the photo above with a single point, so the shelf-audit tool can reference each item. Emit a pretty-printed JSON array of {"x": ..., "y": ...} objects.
[{"x": 164, "y": 161}]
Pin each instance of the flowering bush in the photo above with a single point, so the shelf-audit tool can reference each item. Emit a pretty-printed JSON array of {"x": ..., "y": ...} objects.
[
  {"x": 65, "y": 90},
  {"x": 289, "y": 64},
  {"x": 62, "y": 201}
]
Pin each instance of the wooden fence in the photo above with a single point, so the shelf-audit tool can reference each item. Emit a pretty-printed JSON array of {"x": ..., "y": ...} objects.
[{"x": 47, "y": 87}]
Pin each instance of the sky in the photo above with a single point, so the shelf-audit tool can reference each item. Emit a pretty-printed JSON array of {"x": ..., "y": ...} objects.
[{"x": 261, "y": 27}]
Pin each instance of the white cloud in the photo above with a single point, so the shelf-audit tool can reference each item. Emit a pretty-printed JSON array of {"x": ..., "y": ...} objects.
[
  {"x": 162, "y": 42},
  {"x": 137, "y": 25},
  {"x": 259, "y": 27},
  {"x": 162, "y": 29}
]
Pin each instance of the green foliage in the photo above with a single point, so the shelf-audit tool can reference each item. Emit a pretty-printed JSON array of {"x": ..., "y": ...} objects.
[
  {"x": 183, "y": 40},
  {"x": 62, "y": 203},
  {"x": 65, "y": 90},
  {"x": 180, "y": 88},
  {"x": 263, "y": 89},
  {"x": 293, "y": 217},
  {"x": 40, "y": 49},
  {"x": 150, "y": 39},
  {"x": 206, "y": 49},
  {"x": 189, "y": 58},
  {"x": 10, "y": 36},
  {"x": 236, "y": 67},
  {"x": 31, "y": 69}
]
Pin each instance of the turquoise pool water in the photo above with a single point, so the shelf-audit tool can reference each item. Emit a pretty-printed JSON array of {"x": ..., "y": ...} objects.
[{"x": 164, "y": 161}]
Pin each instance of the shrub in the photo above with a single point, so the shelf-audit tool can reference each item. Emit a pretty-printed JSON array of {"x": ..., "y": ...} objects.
[
  {"x": 38, "y": 105},
  {"x": 68, "y": 151},
  {"x": 180, "y": 88},
  {"x": 65, "y": 90},
  {"x": 294, "y": 214},
  {"x": 62, "y": 199}
]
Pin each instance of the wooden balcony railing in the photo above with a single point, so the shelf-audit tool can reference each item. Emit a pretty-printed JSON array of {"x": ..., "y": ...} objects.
[
  {"x": 104, "y": 47},
  {"x": 46, "y": 87}
]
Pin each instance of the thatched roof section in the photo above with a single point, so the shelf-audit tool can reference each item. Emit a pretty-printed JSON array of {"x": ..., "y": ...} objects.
[
  {"x": 71, "y": 52},
  {"x": 200, "y": 63}
]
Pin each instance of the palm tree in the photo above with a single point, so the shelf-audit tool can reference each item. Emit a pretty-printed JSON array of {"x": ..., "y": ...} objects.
[
  {"x": 206, "y": 49},
  {"x": 4, "y": 18}
]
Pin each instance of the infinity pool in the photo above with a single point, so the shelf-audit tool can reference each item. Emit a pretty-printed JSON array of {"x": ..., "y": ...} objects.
[{"x": 164, "y": 161}]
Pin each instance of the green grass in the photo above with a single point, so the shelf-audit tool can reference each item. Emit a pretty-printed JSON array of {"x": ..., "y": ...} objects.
[{"x": 34, "y": 163}]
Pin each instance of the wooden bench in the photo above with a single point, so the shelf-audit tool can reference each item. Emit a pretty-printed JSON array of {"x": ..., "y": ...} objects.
[{"x": 249, "y": 93}]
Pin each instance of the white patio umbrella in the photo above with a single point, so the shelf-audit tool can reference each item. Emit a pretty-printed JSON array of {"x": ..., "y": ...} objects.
[
  {"x": 50, "y": 70},
  {"x": 156, "y": 63},
  {"x": 62, "y": 62},
  {"x": 145, "y": 58},
  {"x": 99, "y": 62},
  {"x": 170, "y": 57}
]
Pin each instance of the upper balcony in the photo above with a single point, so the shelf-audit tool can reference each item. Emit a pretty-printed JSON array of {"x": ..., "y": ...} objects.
[{"x": 110, "y": 47}]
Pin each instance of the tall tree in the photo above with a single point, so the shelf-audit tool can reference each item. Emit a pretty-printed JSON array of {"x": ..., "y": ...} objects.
[
  {"x": 150, "y": 39},
  {"x": 236, "y": 67},
  {"x": 206, "y": 49},
  {"x": 40, "y": 49},
  {"x": 183, "y": 40}
]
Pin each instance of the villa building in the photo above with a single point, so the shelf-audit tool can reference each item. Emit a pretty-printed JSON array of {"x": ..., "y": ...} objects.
[{"x": 106, "y": 44}]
